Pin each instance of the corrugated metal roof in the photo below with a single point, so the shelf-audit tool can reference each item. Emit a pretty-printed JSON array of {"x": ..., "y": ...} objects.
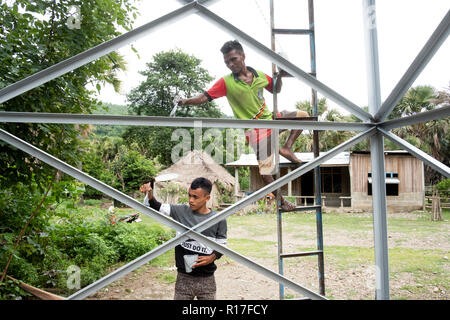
[{"x": 342, "y": 159}]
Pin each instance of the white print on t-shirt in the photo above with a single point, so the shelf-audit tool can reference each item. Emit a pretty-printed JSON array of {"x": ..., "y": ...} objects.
[{"x": 194, "y": 245}]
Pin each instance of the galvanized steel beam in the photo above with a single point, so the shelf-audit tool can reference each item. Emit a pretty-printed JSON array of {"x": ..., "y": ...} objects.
[
  {"x": 69, "y": 118},
  {"x": 191, "y": 232},
  {"x": 376, "y": 154},
  {"x": 292, "y": 31},
  {"x": 285, "y": 64},
  {"x": 439, "y": 113},
  {"x": 207, "y": 2},
  {"x": 379, "y": 217},
  {"x": 432, "y": 162},
  {"x": 429, "y": 49},
  {"x": 92, "y": 54},
  {"x": 285, "y": 179}
]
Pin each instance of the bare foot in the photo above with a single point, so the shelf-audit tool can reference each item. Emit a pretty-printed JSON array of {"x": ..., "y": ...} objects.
[
  {"x": 288, "y": 154},
  {"x": 287, "y": 206}
]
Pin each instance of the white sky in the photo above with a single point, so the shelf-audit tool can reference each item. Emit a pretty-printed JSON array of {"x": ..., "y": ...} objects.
[{"x": 403, "y": 28}]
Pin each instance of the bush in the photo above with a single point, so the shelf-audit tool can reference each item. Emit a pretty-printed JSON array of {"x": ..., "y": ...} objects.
[
  {"x": 132, "y": 241},
  {"x": 76, "y": 236},
  {"x": 10, "y": 290},
  {"x": 224, "y": 195},
  {"x": 444, "y": 185},
  {"x": 131, "y": 169},
  {"x": 444, "y": 189},
  {"x": 94, "y": 166},
  {"x": 97, "y": 245},
  {"x": 17, "y": 205}
]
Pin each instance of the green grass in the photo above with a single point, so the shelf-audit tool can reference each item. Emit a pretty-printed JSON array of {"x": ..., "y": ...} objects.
[
  {"x": 340, "y": 221},
  {"x": 253, "y": 248},
  {"x": 255, "y": 224},
  {"x": 400, "y": 259},
  {"x": 92, "y": 202},
  {"x": 167, "y": 277},
  {"x": 420, "y": 225},
  {"x": 260, "y": 225},
  {"x": 427, "y": 267},
  {"x": 165, "y": 260}
]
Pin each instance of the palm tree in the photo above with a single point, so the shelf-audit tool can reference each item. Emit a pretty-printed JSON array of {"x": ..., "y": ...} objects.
[
  {"x": 327, "y": 139},
  {"x": 306, "y": 105},
  {"x": 432, "y": 136}
]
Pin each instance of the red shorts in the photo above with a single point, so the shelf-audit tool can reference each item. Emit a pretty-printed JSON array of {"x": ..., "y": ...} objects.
[{"x": 255, "y": 136}]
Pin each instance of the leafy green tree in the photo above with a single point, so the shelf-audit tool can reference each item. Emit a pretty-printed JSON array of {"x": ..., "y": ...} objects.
[
  {"x": 95, "y": 158},
  {"x": 34, "y": 35},
  {"x": 327, "y": 139},
  {"x": 110, "y": 130},
  {"x": 322, "y": 107},
  {"x": 109, "y": 160},
  {"x": 131, "y": 169},
  {"x": 170, "y": 74},
  {"x": 432, "y": 136}
]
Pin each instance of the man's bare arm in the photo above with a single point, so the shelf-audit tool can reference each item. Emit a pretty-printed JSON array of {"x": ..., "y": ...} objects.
[
  {"x": 194, "y": 101},
  {"x": 281, "y": 73},
  {"x": 279, "y": 84}
]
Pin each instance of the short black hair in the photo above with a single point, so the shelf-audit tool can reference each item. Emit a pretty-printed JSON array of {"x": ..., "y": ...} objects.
[
  {"x": 231, "y": 45},
  {"x": 203, "y": 183}
]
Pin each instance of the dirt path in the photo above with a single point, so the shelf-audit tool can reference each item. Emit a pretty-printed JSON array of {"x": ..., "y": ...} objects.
[{"x": 237, "y": 282}]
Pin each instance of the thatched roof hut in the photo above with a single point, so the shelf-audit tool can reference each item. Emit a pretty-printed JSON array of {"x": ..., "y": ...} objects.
[{"x": 195, "y": 164}]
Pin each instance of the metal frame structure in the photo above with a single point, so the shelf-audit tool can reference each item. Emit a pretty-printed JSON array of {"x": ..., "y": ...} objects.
[
  {"x": 376, "y": 154},
  {"x": 371, "y": 129},
  {"x": 317, "y": 207}
]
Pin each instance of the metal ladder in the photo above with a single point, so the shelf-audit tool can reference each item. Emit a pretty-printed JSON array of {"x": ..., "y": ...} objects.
[{"x": 317, "y": 178}]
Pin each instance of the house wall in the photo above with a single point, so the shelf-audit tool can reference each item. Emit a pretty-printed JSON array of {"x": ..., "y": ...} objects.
[
  {"x": 256, "y": 182},
  {"x": 355, "y": 183},
  {"x": 332, "y": 199},
  {"x": 410, "y": 174}
]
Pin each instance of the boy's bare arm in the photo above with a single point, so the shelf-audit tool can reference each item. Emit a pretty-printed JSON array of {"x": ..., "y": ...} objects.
[{"x": 147, "y": 189}]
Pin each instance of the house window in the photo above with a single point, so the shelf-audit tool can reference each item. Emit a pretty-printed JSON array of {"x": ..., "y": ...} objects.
[
  {"x": 392, "y": 182},
  {"x": 331, "y": 180}
]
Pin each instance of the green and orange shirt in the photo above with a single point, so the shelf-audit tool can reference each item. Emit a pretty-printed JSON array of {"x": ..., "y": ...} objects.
[{"x": 246, "y": 101}]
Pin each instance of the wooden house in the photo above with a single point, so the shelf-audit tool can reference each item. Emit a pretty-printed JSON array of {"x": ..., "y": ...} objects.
[{"x": 346, "y": 180}]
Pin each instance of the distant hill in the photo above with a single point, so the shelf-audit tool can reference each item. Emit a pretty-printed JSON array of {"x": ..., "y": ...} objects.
[
  {"x": 109, "y": 108},
  {"x": 111, "y": 130}
]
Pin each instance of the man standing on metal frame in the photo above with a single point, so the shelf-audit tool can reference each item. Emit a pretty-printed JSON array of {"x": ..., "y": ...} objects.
[{"x": 244, "y": 89}]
